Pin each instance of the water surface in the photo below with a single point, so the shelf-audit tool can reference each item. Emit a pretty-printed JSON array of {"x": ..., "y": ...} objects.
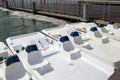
[{"x": 12, "y": 25}]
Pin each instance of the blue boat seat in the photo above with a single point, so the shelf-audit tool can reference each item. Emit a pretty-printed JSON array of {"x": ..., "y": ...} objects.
[
  {"x": 97, "y": 36},
  {"x": 111, "y": 26},
  {"x": 14, "y": 69},
  {"x": 35, "y": 58},
  {"x": 76, "y": 39},
  {"x": 68, "y": 48},
  {"x": 103, "y": 29}
]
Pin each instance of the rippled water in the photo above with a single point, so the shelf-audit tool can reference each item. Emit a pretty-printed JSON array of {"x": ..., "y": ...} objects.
[{"x": 11, "y": 25}]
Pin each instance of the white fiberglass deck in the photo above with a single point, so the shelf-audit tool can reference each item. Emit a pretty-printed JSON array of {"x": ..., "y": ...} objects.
[
  {"x": 62, "y": 30},
  {"x": 109, "y": 53},
  {"x": 22, "y": 39},
  {"x": 60, "y": 69},
  {"x": 2, "y": 46},
  {"x": 80, "y": 70}
]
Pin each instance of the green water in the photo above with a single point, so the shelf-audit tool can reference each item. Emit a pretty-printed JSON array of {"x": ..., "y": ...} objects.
[{"x": 11, "y": 25}]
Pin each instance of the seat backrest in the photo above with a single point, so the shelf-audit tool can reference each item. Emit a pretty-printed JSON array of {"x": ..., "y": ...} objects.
[
  {"x": 95, "y": 32},
  {"x": 102, "y": 28},
  {"x": 66, "y": 43},
  {"x": 76, "y": 37},
  {"x": 14, "y": 68},
  {"x": 34, "y": 55}
]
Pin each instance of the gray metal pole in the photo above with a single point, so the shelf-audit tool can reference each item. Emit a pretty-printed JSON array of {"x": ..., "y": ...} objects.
[
  {"x": 85, "y": 12},
  {"x": 7, "y": 6},
  {"x": 34, "y": 7}
]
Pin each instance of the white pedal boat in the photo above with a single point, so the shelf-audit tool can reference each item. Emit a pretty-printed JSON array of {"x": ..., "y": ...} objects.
[
  {"x": 113, "y": 27},
  {"x": 111, "y": 30},
  {"x": 104, "y": 49},
  {"x": 65, "y": 62},
  {"x": 4, "y": 53},
  {"x": 10, "y": 66}
]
